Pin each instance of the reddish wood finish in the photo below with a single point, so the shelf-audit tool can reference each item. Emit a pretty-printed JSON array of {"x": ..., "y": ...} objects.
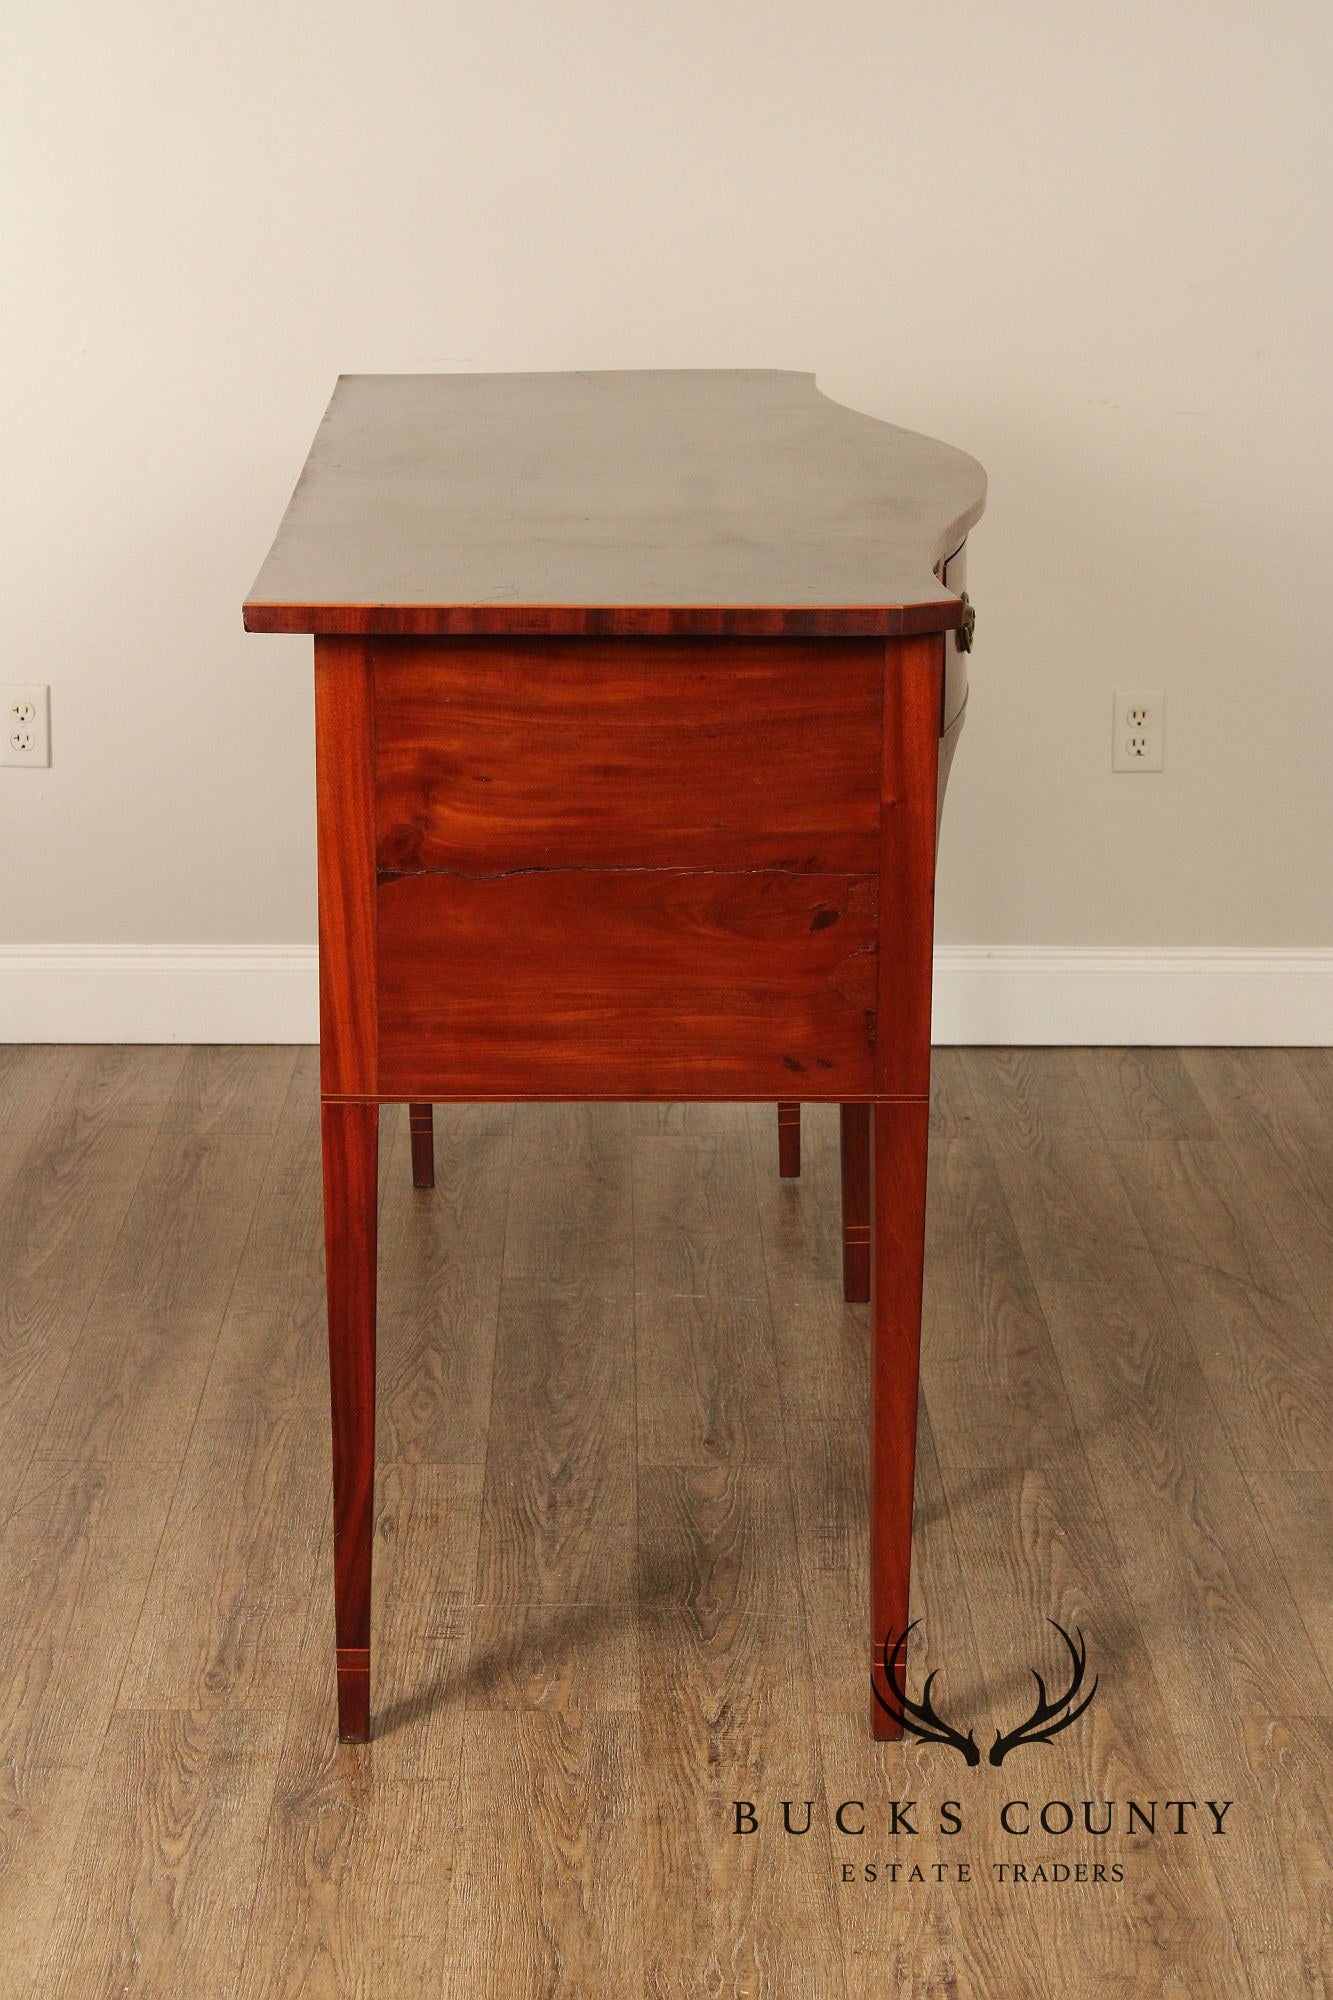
[
  {"x": 628, "y": 695},
  {"x": 351, "y": 1153},
  {"x": 493, "y": 755},
  {"x": 789, "y": 1141},
  {"x": 621, "y": 872},
  {"x": 421, "y": 1124},
  {"x": 854, "y": 1136},
  {"x": 345, "y": 815},
  {"x": 913, "y": 715},
  {"x": 626, "y": 983},
  {"x": 913, "y": 696},
  {"x": 898, "y": 1204}
]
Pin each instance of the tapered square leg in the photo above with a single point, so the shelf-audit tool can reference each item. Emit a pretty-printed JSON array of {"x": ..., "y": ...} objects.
[
  {"x": 351, "y": 1156},
  {"x": 421, "y": 1124},
  {"x": 789, "y": 1141},
  {"x": 898, "y": 1206},
  {"x": 855, "y": 1147}
]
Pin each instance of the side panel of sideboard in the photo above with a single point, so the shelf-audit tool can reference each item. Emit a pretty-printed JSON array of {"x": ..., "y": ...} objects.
[{"x": 627, "y": 868}]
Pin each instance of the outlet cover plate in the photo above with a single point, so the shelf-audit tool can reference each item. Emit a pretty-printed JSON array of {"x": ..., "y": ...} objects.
[
  {"x": 25, "y": 725},
  {"x": 1138, "y": 730}
]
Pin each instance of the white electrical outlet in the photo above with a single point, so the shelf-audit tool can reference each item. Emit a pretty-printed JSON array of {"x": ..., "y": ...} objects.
[
  {"x": 25, "y": 726},
  {"x": 1138, "y": 732}
]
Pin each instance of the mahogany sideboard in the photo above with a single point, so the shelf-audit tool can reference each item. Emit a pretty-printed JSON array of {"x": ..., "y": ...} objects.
[{"x": 633, "y": 697}]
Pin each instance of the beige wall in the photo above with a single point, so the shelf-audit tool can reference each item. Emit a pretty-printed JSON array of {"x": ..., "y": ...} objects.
[{"x": 1081, "y": 241}]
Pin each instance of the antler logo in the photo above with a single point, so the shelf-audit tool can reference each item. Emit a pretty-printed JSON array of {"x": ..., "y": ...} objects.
[{"x": 921, "y": 1719}]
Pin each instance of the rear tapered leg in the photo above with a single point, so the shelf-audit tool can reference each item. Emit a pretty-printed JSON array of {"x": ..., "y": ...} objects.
[
  {"x": 421, "y": 1123},
  {"x": 898, "y": 1206},
  {"x": 351, "y": 1154},
  {"x": 789, "y": 1141},
  {"x": 855, "y": 1149}
]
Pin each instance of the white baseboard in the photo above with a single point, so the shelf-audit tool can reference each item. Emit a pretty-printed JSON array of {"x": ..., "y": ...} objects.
[
  {"x": 1044, "y": 995},
  {"x": 1032, "y": 994},
  {"x": 158, "y": 993}
]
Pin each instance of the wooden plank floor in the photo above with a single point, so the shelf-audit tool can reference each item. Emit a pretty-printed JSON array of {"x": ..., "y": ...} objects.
[{"x": 621, "y": 1546}]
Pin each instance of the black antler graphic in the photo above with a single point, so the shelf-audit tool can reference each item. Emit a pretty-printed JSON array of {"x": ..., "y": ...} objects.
[
  {"x": 1046, "y": 1719},
  {"x": 919, "y": 1717}
]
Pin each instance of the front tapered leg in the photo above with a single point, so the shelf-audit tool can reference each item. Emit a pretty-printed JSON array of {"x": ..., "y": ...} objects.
[
  {"x": 421, "y": 1125},
  {"x": 898, "y": 1207},
  {"x": 351, "y": 1154},
  {"x": 855, "y": 1148},
  {"x": 789, "y": 1141}
]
